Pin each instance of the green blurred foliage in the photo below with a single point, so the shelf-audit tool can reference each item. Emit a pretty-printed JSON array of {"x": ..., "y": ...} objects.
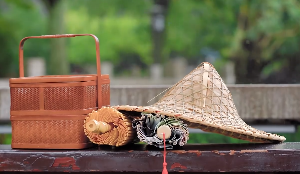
[
  {"x": 218, "y": 138},
  {"x": 212, "y": 138},
  {"x": 20, "y": 19},
  {"x": 118, "y": 34},
  {"x": 5, "y": 139},
  {"x": 205, "y": 138},
  {"x": 123, "y": 29},
  {"x": 269, "y": 27},
  {"x": 264, "y": 32},
  {"x": 198, "y": 24}
]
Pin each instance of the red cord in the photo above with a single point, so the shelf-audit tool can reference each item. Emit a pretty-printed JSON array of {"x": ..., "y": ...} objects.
[{"x": 165, "y": 171}]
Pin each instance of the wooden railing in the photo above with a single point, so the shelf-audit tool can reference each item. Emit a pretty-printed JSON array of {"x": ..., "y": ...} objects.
[{"x": 190, "y": 158}]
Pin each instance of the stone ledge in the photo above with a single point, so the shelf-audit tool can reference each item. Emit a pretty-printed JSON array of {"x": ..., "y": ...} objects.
[{"x": 252, "y": 101}]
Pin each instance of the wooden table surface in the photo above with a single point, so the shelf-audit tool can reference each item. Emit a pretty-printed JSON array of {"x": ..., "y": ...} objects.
[{"x": 271, "y": 158}]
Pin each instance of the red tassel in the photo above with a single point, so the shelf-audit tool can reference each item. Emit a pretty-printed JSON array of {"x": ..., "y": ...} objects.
[{"x": 165, "y": 171}]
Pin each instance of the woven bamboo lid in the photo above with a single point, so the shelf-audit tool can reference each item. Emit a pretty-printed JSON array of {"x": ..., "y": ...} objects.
[
  {"x": 107, "y": 126},
  {"x": 203, "y": 101}
]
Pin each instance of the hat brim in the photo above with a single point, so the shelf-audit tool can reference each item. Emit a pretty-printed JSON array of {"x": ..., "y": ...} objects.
[{"x": 244, "y": 132}]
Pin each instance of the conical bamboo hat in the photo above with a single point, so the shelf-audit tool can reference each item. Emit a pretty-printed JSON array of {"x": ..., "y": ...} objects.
[{"x": 204, "y": 102}]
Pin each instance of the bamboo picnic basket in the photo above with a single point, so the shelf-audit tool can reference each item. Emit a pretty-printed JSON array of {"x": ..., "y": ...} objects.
[{"x": 47, "y": 112}]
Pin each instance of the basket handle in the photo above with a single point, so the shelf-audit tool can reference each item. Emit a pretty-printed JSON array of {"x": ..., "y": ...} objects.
[{"x": 21, "y": 57}]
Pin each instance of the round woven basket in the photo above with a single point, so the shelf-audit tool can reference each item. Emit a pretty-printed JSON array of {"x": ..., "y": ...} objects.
[{"x": 108, "y": 126}]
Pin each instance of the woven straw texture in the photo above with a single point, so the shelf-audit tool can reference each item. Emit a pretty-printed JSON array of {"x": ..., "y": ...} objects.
[
  {"x": 203, "y": 101},
  {"x": 57, "y": 98},
  {"x": 70, "y": 132},
  {"x": 122, "y": 132}
]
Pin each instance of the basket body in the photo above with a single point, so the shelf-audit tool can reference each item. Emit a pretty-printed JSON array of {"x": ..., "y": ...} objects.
[
  {"x": 48, "y": 132},
  {"x": 48, "y": 111}
]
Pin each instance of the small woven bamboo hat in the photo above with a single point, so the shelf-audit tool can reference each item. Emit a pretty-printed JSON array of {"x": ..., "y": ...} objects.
[{"x": 203, "y": 101}]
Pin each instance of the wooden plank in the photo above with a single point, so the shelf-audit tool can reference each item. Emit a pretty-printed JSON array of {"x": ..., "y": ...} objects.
[{"x": 283, "y": 157}]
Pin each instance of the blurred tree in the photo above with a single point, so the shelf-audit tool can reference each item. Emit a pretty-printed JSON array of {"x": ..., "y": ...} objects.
[
  {"x": 21, "y": 14},
  {"x": 260, "y": 37},
  {"x": 57, "y": 62},
  {"x": 262, "y": 30},
  {"x": 8, "y": 37},
  {"x": 159, "y": 13},
  {"x": 123, "y": 29},
  {"x": 256, "y": 35},
  {"x": 158, "y": 19}
]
